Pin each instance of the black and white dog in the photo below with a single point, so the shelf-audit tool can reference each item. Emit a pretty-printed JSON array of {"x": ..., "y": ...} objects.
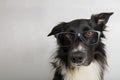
[{"x": 80, "y": 54}]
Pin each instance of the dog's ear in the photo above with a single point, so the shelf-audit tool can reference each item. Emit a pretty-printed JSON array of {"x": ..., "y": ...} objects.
[
  {"x": 101, "y": 19},
  {"x": 59, "y": 28}
]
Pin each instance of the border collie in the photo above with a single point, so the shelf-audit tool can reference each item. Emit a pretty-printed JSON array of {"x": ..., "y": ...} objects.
[{"x": 80, "y": 54}]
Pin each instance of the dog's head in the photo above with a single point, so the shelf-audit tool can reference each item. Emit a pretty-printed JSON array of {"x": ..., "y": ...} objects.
[{"x": 80, "y": 40}]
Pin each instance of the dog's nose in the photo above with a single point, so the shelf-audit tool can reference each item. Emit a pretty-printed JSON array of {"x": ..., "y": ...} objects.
[{"x": 77, "y": 57}]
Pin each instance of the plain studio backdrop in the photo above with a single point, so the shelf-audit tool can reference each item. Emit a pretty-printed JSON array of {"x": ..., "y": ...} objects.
[{"x": 25, "y": 49}]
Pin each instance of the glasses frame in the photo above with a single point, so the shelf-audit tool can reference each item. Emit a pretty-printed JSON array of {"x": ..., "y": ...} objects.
[{"x": 79, "y": 36}]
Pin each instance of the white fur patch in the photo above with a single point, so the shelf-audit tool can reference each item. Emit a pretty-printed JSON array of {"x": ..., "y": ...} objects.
[
  {"x": 91, "y": 72},
  {"x": 79, "y": 48}
]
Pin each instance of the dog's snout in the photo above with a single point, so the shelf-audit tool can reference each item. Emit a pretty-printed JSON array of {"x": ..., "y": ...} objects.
[{"x": 77, "y": 57}]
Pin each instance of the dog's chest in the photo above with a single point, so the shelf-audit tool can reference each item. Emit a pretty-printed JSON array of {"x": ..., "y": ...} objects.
[{"x": 91, "y": 72}]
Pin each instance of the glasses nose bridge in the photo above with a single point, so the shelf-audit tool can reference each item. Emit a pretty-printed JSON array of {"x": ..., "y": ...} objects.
[{"x": 78, "y": 34}]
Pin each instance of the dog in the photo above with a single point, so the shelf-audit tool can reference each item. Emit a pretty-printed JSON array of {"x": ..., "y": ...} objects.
[{"x": 81, "y": 53}]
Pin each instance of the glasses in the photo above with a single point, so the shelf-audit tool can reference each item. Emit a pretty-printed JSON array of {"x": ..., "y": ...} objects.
[{"x": 90, "y": 37}]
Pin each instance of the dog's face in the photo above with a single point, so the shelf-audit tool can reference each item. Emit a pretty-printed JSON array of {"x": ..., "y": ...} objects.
[{"x": 78, "y": 39}]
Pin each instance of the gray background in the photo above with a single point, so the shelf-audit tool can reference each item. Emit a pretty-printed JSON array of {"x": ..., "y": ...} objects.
[{"x": 25, "y": 49}]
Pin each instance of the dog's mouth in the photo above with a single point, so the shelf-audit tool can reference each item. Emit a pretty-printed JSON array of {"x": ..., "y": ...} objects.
[{"x": 84, "y": 62}]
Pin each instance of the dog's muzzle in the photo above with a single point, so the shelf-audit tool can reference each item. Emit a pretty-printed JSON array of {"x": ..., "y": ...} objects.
[{"x": 78, "y": 59}]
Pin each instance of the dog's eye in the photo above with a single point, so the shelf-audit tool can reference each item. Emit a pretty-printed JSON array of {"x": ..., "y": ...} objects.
[
  {"x": 68, "y": 36},
  {"x": 89, "y": 34}
]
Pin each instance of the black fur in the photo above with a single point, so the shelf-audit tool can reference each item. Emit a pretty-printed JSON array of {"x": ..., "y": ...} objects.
[{"x": 93, "y": 52}]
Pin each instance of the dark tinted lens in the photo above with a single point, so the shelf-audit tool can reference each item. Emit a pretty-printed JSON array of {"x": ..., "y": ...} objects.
[
  {"x": 90, "y": 37},
  {"x": 66, "y": 39}
]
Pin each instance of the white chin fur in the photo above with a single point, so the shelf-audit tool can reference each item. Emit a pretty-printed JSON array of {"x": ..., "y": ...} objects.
[{"x": 91, "y": 72}]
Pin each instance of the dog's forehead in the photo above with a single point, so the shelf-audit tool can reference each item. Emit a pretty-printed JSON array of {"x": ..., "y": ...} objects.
[{"x": 80, "y": 25}]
